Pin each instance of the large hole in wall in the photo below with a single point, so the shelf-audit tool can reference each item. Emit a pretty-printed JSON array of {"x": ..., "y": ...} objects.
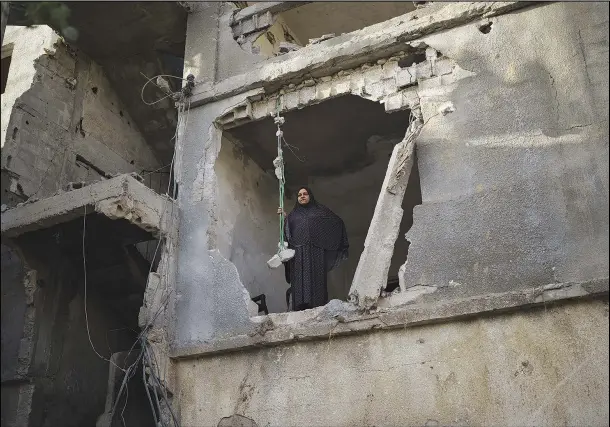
[
  {"x": 343, "y": 147},
  {"x": 76, "y": 383},
  {"x": 309, "y": 23},
  {"x": 316, "y": 19}
]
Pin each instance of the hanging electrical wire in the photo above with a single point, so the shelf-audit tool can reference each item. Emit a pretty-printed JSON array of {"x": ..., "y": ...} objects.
[{"x": 183, "y": 105}]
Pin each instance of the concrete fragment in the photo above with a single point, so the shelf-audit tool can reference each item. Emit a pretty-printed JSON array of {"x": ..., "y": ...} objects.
[
  {"x": 120, "y": 197},
  {"x": 446, "y": 108},
  {"x": 321, "y": 39},
  {"x": 405, "y": 77},
  {"x": 372, "y": 271},
  {"x": 286, "y": 47}
]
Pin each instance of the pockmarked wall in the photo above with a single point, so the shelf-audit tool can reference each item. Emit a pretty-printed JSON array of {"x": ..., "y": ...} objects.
[
  {"x": 513, "y": 165},
  {"x": 542, "y": 367},
  {"x": 515, "y": 180},
  {"x": 61, "y": 119}
]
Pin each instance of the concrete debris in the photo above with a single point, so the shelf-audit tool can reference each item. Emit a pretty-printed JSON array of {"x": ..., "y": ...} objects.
[
  {"x": 337, "y": 309},
  {"x": 286, "y": 47},
  {"x": 420, "y": 4},
  {"x": 321, "y": 39},
  {"x": 372, "y": 270},
  {"x": 30, "y": 200}
]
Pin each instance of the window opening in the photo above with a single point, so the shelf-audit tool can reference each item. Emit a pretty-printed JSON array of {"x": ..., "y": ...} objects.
[{"x": 340, "y": 148}]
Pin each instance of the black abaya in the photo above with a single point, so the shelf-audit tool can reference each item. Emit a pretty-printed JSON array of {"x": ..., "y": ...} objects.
[{"x": 319, "y": 239}]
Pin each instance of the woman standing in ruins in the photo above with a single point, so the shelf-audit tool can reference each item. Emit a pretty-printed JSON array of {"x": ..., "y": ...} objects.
[{"x": 319, "y": 239}]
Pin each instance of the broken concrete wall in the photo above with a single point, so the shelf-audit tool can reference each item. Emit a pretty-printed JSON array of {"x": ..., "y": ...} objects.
[
  {"x": 210, "y": 284},
  {"x": 515, "y": 181},
  {"x": 505, "y": 370},
  {"x": 211, "y": 53},
  {"x": 61, "y": 119},
  {"x": 27, "y": 44},
  {"x": 43, "y": 343},
  {"x": 200, "y": 51},
  {"x": 497, "y": 214},
  {"x": 111, "y": 140},
  {"x": 233, "y": 60},
  {"x": 269, "y": 43},
  {"x": 211, "y": 300},
  {"x": 37, "y": 110},
  {"x": 248, "y": 224}
]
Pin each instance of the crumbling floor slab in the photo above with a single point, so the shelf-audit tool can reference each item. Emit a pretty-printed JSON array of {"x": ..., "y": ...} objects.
[
  {"x": 340, "y": 319},
  {"x": 122, "y": 197}
]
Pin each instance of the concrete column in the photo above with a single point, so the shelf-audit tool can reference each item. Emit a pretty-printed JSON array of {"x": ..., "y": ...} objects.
[
  {"x": 211, "y": 300},
  {"x": 201, "y": 48},
  {"x": 372, "y": 271}
]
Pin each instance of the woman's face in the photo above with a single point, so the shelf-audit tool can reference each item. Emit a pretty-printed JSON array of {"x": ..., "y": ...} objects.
[{"x": 303, "y": 196}]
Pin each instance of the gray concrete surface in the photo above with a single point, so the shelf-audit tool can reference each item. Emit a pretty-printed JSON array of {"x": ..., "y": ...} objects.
[
  {"x": 374, "y": 265},
  {"x": 352, "y": 49},
  {"x": 210, "y": 297},
  {"x": 340, "y": 318},
  {"x": 122, "y": 197},
  {"x": 62, "y": 121},
  {"x": 509, "y": 370},
  {"x": 515, "y": 181},
  {"x": 464, "y": 131}
]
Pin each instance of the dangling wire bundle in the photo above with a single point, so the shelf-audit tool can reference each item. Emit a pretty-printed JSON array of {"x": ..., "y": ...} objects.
[
  {"x": 283, "y": 253},
  {"x": 280, "y": 176}
]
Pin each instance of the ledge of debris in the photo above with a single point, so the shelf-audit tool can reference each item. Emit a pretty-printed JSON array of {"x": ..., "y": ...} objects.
[
  {"x": 122, "y": 197},
  {"x": 340, "y": 318}
]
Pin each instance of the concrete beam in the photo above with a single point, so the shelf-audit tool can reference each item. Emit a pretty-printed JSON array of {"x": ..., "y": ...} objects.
[
  {"x": 353, "y": 49},
  {"x": 122, "y": 197},
  {"x": 372, "y": 271},
  {"x": 321, "y": 323}
]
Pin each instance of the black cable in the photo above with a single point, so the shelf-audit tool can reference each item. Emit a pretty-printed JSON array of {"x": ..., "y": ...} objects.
[
  {"x": 156, "y": 378},
  {"x": 148, "y": 395}
]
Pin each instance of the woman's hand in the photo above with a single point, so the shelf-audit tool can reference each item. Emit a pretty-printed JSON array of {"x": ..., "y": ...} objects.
[{"x": 280, "y": 211}]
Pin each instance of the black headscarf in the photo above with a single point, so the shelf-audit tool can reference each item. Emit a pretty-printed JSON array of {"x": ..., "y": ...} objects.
[{"x": 317, "y": 225}]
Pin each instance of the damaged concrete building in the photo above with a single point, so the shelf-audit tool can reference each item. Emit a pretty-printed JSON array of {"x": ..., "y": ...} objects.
[{"x": 464, "y": 144}]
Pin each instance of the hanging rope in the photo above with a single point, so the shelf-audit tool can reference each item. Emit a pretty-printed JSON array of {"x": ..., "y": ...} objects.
[{"x": 283, "y": 253}]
